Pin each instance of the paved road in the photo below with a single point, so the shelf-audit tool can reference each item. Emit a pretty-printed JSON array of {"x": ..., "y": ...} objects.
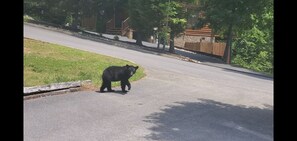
[{"x": 176, "y": 101}]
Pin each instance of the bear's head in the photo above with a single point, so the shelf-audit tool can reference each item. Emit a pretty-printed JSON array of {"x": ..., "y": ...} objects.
[{"x": 131, "y": 69}]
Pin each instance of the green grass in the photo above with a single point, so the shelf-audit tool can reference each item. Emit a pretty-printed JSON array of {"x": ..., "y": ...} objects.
[{"x": 46, "y": 63}]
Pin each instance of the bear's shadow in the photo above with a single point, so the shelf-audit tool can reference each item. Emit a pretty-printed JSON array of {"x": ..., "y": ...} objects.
[{"x": 115, "y": 91}]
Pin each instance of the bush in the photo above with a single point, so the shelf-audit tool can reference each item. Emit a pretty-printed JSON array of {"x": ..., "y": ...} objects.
[{"x": 27, "y": 18}]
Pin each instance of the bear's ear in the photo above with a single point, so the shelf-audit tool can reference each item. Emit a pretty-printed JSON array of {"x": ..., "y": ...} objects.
[
  {"x": 136, "y": 67},
  {"x": 127, "y": 66}
]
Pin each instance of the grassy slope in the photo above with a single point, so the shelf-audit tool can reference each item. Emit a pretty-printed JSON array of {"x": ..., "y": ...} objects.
[{"x": 46, "y": 63}]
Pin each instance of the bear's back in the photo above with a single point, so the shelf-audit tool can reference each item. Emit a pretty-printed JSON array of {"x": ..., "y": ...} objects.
[{"x": 114, "y": 73}]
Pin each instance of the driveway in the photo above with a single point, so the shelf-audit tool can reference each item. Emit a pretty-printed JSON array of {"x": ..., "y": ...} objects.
[{"x": 176, "y": 101}]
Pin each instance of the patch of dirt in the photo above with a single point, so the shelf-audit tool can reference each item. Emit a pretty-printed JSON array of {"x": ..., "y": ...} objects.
[
  {"x": 89, "y": 87},
  {"x": 26, "y": 50}
]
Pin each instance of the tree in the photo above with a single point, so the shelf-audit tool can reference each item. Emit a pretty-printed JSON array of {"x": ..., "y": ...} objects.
[
  {"x": 168, "y": 15},
  {"x": 229, "y": 17},
  {"x": 254, "y": 47},
  {"x": 45, "y": 10},
  {"x": 59, "y": 11},
  {"x": 77, "y": 8},
  {"x": 142, "y": 17},
  {"x": 174, "y": 17}
]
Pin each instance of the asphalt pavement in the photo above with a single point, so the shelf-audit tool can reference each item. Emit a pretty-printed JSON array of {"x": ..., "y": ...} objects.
[{"x": 176, "y": 101}]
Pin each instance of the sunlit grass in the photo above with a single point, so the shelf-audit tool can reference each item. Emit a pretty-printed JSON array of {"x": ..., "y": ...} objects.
[{"x": 46, "y": 63}]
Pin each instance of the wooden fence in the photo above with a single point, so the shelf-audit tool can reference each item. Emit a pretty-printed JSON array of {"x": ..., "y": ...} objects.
[
  {"x": 206, "y": 47},
  {"x": 89, "y": 23}
]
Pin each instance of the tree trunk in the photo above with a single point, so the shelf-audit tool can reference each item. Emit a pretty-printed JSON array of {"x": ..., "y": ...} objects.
[
  {"x": 75, "y": 21},
  {"x": 164, "y": 43},
  {"x": 227, "y": 53},
  {"x": 171, "y": 43},
  {"x": 75, "y": 16},
  {"x": 139, "y": 38}
]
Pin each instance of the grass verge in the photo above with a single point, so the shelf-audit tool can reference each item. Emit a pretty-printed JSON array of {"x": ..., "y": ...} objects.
[{"x": 46, "y": 63}]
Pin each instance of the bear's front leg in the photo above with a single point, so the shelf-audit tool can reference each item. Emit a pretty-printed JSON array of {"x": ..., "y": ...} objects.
[
  {"x": 123, "y": 85},
  {"x": 129, "y": 85}
]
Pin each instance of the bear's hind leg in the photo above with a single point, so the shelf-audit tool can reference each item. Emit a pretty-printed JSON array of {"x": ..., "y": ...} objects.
[
  {"x": 108, "y": 84},
  {"x": 103, "y": 86}
]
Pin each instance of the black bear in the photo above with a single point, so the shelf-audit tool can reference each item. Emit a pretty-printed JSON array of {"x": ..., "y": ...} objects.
[{"x": 117, "y": 73}]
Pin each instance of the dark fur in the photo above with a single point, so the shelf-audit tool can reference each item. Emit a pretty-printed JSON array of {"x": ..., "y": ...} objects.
[{"x": 117, "y": 73}]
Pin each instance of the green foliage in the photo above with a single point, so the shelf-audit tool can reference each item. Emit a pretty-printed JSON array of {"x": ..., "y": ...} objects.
[
  {"x": 144, "y": 14},
  {"x": 219, "y": 14},
  {"x": 27, "y": 18},
  {"x": 250, "y": 22},
  {"x": 45, "y": 10},
  {"x": 168, "y": 15},
  {"x": 142, "y": 17},
  {"x": 254, "y": 47},
  {"x": 69, "y": 19},
  {"x": 59, "y": 11},
  {"x": 173, "y": 16}
]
